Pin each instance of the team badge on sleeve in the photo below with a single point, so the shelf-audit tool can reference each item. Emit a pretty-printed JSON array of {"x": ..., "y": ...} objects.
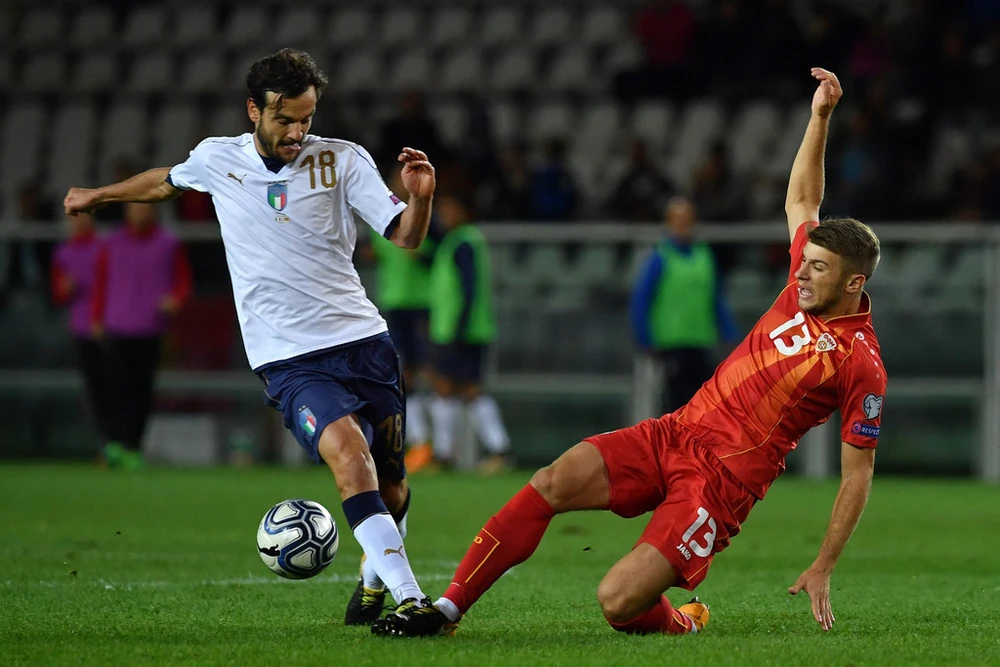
[
  {"x": 277, "y": 195},
  {"x": 307, "y": 420},
  {"x": 872, "y": 405},
  {"x": 393, "y": 198}
]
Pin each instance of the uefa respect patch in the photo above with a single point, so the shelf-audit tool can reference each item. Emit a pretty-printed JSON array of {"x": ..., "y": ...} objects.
[{"x": 867, "y": 430}]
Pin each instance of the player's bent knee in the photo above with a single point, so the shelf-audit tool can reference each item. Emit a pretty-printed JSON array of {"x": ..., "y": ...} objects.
[
  {"x": 546, "y": 482},
  {"x": 616, "y": 603}
]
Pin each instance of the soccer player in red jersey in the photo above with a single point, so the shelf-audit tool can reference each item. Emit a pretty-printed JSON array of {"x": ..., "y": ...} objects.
[{"x": 700, "y": 469}]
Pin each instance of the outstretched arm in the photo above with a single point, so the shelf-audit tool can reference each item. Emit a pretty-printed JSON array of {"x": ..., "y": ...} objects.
[
  {"x": 857, "y": 466},
  {"x": 148, "y": 187},
  {"x": 419, "y": 180},
  {"x": 806, "y": 182}
]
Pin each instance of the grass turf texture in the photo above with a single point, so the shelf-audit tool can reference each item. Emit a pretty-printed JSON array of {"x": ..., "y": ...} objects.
[{"x": 160, "y": 567}]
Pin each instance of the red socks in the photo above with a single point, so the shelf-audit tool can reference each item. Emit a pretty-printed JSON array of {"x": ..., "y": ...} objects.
[
  {"x": 662, "y": 618},
  {"x": 508, "y": 538}
]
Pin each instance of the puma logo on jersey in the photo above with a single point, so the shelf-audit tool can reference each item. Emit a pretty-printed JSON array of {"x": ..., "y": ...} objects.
[
  {"x": 398, "y": 551},
  {"x": 237, "y": 179},
  {"x": 826, "y": 343}
]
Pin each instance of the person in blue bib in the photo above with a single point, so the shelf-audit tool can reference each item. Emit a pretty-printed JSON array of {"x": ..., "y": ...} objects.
[{"x": 678, "y": 311}]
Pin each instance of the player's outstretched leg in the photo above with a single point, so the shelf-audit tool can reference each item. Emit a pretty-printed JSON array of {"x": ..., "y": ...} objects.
[{"x": 576, "y": 481}]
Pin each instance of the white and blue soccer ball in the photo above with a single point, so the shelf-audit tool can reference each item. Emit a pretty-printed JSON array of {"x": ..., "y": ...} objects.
[{"x": 297, "y": 539}]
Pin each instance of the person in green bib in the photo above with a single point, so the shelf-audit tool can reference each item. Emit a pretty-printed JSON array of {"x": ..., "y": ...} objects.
[
  {"x": 678, "y": 311},
  {"x": 462, "y": 326}
]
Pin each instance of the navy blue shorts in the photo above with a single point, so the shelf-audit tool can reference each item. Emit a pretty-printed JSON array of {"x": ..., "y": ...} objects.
[
  {"x": 363, "y": 378},
  {"x": 408, "y": 328},
  {"x": 459, "y": 362}
]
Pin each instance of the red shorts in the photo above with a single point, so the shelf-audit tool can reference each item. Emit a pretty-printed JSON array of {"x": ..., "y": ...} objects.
[{"x": 696, "y": 502}]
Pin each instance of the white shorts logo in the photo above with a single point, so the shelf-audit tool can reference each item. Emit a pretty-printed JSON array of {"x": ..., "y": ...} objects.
[{"x": 872, "y": 405}]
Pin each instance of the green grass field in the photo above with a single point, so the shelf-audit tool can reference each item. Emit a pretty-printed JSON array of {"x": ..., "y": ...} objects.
[{"x": 160, "y": 567}]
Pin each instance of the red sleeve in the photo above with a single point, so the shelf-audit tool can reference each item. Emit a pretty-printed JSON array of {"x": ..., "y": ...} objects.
[
  {"x": 798, "y": 245},
  {"x": 59, "y": 279},
  {"x": 98, "y": 296},
  {"x": 181, "y": 289},
  {"x": 862, "y": 392}
]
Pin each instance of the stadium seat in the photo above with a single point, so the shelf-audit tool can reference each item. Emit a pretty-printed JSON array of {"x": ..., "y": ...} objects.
[
  {"x": 236, "y": 81},
  {"x": 788, "y": 141},
  {"x": 598, "y": 130},
  {"x": 602, "y": 25},
  {"x": 296, "y": 28},
  {"x": 44, "y": 73},
  {"x": 449, "y": 26},
  {"x": 572, "y": 72},
  {"x": 461, "y": 70},
  {"x": 124, "y": 134},
  {"x": 410, "y": 68},
  {"x": 175, "y": 133},
  {"x": 96, "y": 73},
  {"x": 20, "y": 139},
  {"x": 505, "y": 118},
  {"x": 360, "y": 71},
  {"x": 94, "y": 27},
  {"x": 951, "y": 146},
  {"x": 145, "y": 27},
  {"x": 550, "y": 120},
  {"x": 348, "y": 27},
  {"x": 450, "y": 118},
  {"x": 552, "y": 25},
  {"x": 499, "y": 26},
  {"x": 701, "y": 122},
  {"x": 514, "y": 71},
  {"x": 229, "y": 120},
  {"x": 751, "y": 135},
  {"x": 592, "y": 266},
  {"x": 152, "y": 73},
  {"x": 6, "y": 71},
  {"x": 73, "y": 131},
  {"x": 203, "y": 72},
  {"x": 41, "y": 27},
  {"x": 195, "y": 26},
  {"x": 651, "y": 122},
  {"x": 400, "y": 27},
  {"x": 621, "y": 57},
  {"x": 248, "y": 26}
]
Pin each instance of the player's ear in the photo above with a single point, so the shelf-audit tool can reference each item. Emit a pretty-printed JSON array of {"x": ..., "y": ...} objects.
[
  {"x": 253, "y": 111},
  {"x": 855, "y": 283}
]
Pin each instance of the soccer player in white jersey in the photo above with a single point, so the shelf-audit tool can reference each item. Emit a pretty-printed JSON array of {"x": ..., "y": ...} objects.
[{"x": 286, "y": 202}]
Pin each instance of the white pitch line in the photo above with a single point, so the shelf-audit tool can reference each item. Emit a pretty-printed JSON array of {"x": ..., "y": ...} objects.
[{"x": 241, "y": 581}]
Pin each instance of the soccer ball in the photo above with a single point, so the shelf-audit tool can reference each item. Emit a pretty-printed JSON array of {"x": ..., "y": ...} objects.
[{"x": 297, "y": 539}]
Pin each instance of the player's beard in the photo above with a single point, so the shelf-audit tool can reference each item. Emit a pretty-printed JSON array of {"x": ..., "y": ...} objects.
[
  {"x": 270, "y": 144},
  {"x": 828, "y": 304}
]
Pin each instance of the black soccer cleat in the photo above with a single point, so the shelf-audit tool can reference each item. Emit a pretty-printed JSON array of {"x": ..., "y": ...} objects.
[
  {"x": 366, "y": 605},
  {"x": 414, "y": 618}
]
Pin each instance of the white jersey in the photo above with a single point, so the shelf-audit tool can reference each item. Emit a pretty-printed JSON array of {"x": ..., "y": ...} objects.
[{"x": 289, "y": 238}]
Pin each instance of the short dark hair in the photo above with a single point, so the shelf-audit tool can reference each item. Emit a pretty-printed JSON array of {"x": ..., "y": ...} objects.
[
  {"x": 288, "y": 73},
  {"x": 851, "y": 239}
]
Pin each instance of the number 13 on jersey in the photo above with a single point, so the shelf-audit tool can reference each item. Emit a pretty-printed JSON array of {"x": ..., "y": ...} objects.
[{"x": 798, "y": 341}]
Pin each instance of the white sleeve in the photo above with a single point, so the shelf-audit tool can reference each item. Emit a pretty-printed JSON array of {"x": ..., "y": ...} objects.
[
  {"x": 190, "y": 174},
  {"x": 367, "y": 194}
]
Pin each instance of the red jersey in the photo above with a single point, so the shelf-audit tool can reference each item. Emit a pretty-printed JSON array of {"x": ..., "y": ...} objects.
[{"x": 789, "y": 374}]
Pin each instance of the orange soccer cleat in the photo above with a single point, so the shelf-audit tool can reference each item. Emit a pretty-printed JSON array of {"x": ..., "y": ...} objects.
[{"x": 697, "y": 611}]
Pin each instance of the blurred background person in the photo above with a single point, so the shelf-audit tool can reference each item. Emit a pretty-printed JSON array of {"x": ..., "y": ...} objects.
[
  {"x": 74, "y": 264},
  {"x": 142, "y": 279},
  {"x": 462, "y": 326},
  {"x": 678, "y": 311}
]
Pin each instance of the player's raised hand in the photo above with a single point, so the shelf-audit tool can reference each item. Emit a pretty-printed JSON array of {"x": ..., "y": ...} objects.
[
  {"x": 418, "y": 173},
  {"x": 816, "y": 583},
  {"x": 80, "y": 200},
  {"x": 827, "y": 94}
]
